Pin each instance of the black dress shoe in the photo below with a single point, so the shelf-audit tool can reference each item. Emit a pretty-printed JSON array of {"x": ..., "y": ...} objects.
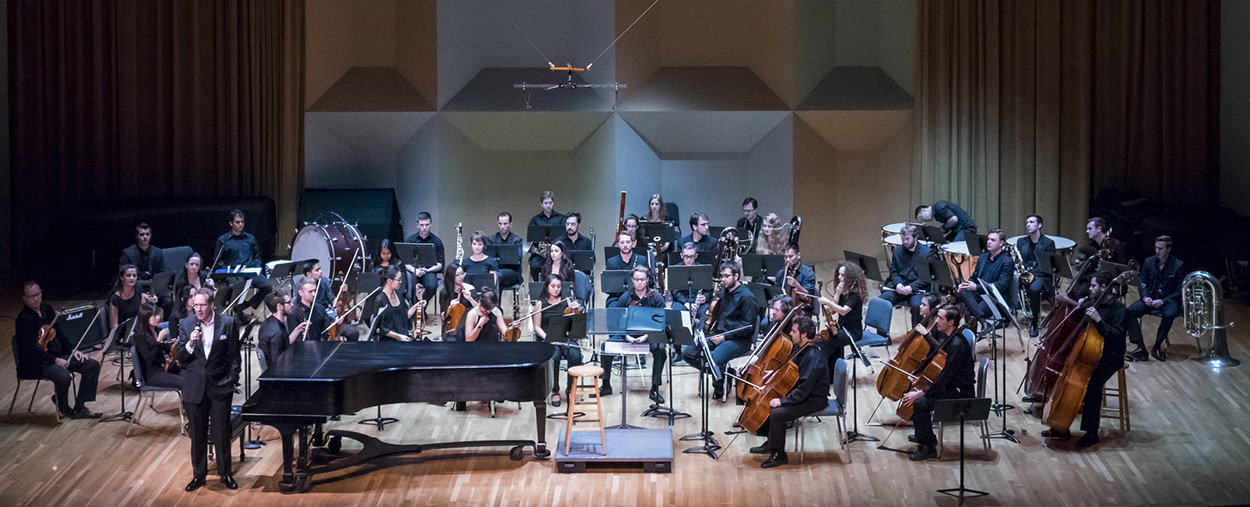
[
  {"x": 911, "y": 438},
  {"x": 1056, "y": 434},
  {"x": 554, "y": 399},
  {"x": 777, "y": 459},
  {"x": 655, "y": 395},
  {"x": 1138, "y": 355},
  {"x": 84, "y": 413},
  {"x": 1086, "y": 440},
  {"x": 763, "y": 449},
  {"x": 1159, "y": 354},
  {"x": 922, "y": 452},
  {"x": 229, "y": 482},
  {"x": 195, "y": 484},
  {"x": 718, "y": 393},
  {"x": 606, "y": 390}
]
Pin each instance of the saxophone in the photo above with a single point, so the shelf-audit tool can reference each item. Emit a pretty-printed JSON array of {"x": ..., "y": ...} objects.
[{"x": 1026, "y": 279}]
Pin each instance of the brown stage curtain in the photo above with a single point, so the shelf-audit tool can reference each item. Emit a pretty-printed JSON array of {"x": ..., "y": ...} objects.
[
  {"x": 133, "y": 98},
  {"x": 1032, "y": 106}
]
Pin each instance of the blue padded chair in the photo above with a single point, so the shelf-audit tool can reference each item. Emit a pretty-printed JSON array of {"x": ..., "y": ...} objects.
[
  {"x": 982, "y": 368},
  {"x": 835, "y": 409},
  {"x": 877, "y": 325}
]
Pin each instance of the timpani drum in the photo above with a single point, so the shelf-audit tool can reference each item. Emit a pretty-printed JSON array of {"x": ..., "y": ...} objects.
[
  {"x": 961, "y": 264},
  {"x": 888, "y": 230},
  {"x": 1063, "y": 246},
  {"x": 336, "y": 245}
]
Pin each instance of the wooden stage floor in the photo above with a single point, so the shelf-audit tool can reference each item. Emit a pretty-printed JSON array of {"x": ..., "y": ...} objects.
[{"x": 1189, "y": 445}]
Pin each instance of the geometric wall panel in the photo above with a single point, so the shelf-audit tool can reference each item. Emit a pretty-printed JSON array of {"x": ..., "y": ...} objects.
[
  {"x": 703, "y": 131},
  {"x": 857, "y": 130},
  {"x": 857, "y": 89},
  {"x": 527, "y": 130},
  {"x": 703, "y": 89},
  {"x": 371, "y": 89},
  {"x": 379, "y": 132}
]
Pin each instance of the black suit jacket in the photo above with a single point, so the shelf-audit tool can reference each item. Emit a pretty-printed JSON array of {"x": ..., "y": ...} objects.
[
  {"x": 273, "y": 339},
  {"x": 213, "y": 376},
  {"x": 1162, "y": 284},
  {"x": 155, "y": 264}
]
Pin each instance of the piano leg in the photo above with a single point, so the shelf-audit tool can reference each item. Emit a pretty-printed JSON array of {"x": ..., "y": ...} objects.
[
  {"x": 540, "y": 413},
  {"x": 318, "y": 436},
  {"x": 295, "y": 460}
]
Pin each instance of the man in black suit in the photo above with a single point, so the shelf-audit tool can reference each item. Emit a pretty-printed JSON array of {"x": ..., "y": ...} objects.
[
  {"x": 149, "y": 259},
  {"x": 904, "y": 284},
  {"x": 1035, "y": 250},
  {"x": 273, "y": 336},
  {"x": 208, "y": 349},
  {"x": 1160, "y": 290},
  {"x": 751, "y": 221}
]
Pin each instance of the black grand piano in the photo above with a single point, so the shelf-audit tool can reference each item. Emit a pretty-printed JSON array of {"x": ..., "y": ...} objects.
[{"x": 313, "y": 381}]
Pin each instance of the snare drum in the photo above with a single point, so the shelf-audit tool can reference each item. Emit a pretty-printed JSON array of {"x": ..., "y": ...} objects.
[
  {"x": 335, "y": 245},
  {"x": 960, "y": 263}
]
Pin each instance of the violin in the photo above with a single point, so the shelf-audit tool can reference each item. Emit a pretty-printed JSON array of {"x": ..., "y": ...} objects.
[{"x": 513, "y": 333}]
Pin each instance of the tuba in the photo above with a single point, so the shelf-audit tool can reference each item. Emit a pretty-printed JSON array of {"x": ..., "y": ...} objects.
[{"x": 1201, "y": 294}]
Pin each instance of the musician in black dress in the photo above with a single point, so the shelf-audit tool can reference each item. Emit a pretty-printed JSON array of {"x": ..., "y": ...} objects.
[
  {"x": 851, "y": 289},
  {"x": 994, "y": 267},
  {"x": 427, "y": 277},
  {"x": 508, "y": 275},
  {"x": 699, "y": 234},
  {"x": 478, "y": 262},
  {"x": 484, "y": 322},
  {"x": 387, "y": 258},
  {"x": 736, "y": 311},
  {"x": 192, "y": 274},
  {"x": 904, "y": 286},
  {"x": 552, "y": 305},
  {"x": 642, "y": 293},
  {"x": 238, "y": 248},
  {"x": 305, "y": 306},
  {"x": 275, "y": 336},
  {"x": 153, "y": 347},
  {"x": 809, "y": 395},
  {"x": 657, "y": 212},
  {"x": 1035, "y": 250},
  {"x": 547, "y": 217},
  {"x": 149, "y": 259},
  {"x": 123, "y": 303},
  {"x": 751, "y": 221},
  {"x": 957, "y": 380},
  {"x": 58, "y": 362},
  {"x": 955, "y": 221},
  {"x": 393, "y": 312},
  {"x": 1160, "y": 290},
  {"x": 1111, "y": 320}
]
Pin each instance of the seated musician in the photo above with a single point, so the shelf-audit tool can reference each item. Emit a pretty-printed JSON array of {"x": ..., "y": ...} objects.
[
  {"x": 326, "y": 299},
  {"x": 1101, "y": 243},
  {"x": 751, "y": 221},
  {"x": 508, "y": 275},
  {"x": 427, "y": 276},
  {"x": 627, "y": 258},
  {"x": 957, "y": 380},
  {"x": 1110, "y": 318},
  {"x": 552, "y": 305},
  {"x": 573, "y": 238},
  {"x": 484, "y": 322},
  {"x": 192, "y": 274},
  {"x": 393, "y": 312},
  {"x": 771, "y": 241},
  {"x": 387, "y": 258},
  {"x": 955, "y": 221},
  {"x": 307, "y": 309},
  {"x": 632, "y": 229},
  {"x": 809, "y": 395},
  {"x": 778, "y": 308},
  {"x": 796, "y": 275},
  {"x": 904, "y": 286},
  {"x": 149, "y": 259},
  {"x": 736, "y": 308},
  {"x": 238, "y": 248},
  {"x": 560, "y": 264},
  {"x": 153, "y": 346},
  {"x": 478, "y": 262},
  {"x": 851, "y": 289},
  {"x": 1160, "y": 290},
  {"x": 642, "y": 293},
  {"x": 1035, "y": 249},
  {"x": 698, "y": 234},
  {"x": 182, "y": 305},
  {"x": 59, "y": 361},
  {"x": 123, "y": 303},
  {"x": 546, "y": 217},
  {"x": 455, "y": 293},
  {"x": 994, "y": 266},
  {"x": 657, "y": 212},
  {"x": 696, "y": 304},
  {"x": 274, "y": 336}
]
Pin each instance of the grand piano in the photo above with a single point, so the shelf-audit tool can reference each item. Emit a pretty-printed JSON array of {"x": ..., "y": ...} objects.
[{"x": 314, "y": 381}]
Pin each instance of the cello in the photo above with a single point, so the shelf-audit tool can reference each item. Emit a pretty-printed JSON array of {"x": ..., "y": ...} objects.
[
  {"x": 770, "y": 356},
  {"x": 895, "y": 379},
  {"x": 774, "y": 384}
]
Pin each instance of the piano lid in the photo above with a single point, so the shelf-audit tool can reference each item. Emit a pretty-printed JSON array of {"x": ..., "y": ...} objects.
[{"x": 336, "y": 360}]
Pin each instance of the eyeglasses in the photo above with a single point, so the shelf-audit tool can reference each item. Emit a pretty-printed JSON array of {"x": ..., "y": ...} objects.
[{"x": 197, "y": 307}]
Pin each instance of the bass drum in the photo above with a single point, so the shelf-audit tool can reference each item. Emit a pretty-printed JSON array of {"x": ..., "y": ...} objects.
[{"x": 336, "y": 245}]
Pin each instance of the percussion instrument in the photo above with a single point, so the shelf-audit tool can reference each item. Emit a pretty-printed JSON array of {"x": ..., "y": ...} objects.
[
  {"x": 888, "y": 230},
  {"x": 335, "y": 245},
  {"x": 1063, "y": 246},
  {"x": 961, "y": 264}
]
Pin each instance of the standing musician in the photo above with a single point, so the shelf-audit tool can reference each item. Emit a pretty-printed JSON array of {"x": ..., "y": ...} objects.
[
  {"x": 484, "y": 322},
  {"x": 508, "y": 275},
  {"x": 698, "y": 234},
  {"x": 153, "y": 349},
  {"x": 904, "y": 286},
  {"x": 955, "y": 221},
  {"x": 312, "y": 269},
  {"x": 851, "y": 289},
  {"x": 1160, "y": 289},
  {"x": 546, "y": 217},
  {"x": 208, "y": 350},
  {"x": 657, "y": 212},
  {"x": 1099, "y": 240},
  {"x": 751, "y": 221},
  {"x": 737, "y": 308},
  {"x": 59, "y": 361},
  {"x": 149, "y": 259},
  {"x": 553, "y": 305},
  {"x": 427, "y": 277},
  {"x": 809, "y": 395},
  {"x": 478, "y": 262},
  {"x": 307, "y": 309},
  {"x": 1111, "y": 320},
  {"x": 957, "y": 380},
  {"x": 1035, "y": 250},
  {"x": 643, "y": 294},
  {"x": 275, "y": 336},
  {"x": 392, "y": 310},
  {"x": 797, "y": 275},
  {"x": 770, "y": 241},
  {"x": 995, "y": 267},
  {"x": 238, "y": 248}
]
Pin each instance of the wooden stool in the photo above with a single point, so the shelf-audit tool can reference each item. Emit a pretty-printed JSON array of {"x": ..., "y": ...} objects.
[
  {"x": 1121, "y": 410},
  {"x": 580, "y": 373}
]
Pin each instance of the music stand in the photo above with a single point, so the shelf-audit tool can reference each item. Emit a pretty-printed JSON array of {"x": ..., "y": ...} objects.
[
  {"x": 544, "y": 233},
  {"x": 773, "y": 264},
  {"x": 753, "y": 266},
  {"x": 508, "y": 255},
  {"x": 285, "y": 271},
  {"x": 562, "y": 328},
  {"x": 656, "y": 233},
  {"x": 420, "y": 255},
  {"x": 693, "y": 278},
  {"x": 935, "y": 272},
  {"x": 583, "y": 260},
  {"x": 480, "y": 280},
  {"x": 710, "y": 445},
  {"x": 673, "y": 336},
  {"x": 615, "y": 281},
  {"x": 1060, "y": 266},
  {"x": 961, "y": 410},
  {"x": 872, "y": 270},
  {"x": 994, "y": 300}
]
